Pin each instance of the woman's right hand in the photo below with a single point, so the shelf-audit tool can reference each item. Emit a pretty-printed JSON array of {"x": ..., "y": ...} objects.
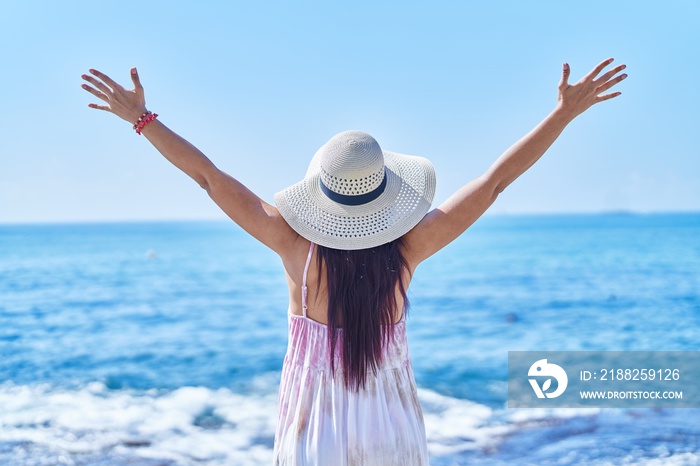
[
  {"x": 576, "y": 98},
  {"x": 127, "y": 104}
]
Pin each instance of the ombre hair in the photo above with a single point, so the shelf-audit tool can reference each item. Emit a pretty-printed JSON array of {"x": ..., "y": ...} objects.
[{"x": 362, "y": 301}]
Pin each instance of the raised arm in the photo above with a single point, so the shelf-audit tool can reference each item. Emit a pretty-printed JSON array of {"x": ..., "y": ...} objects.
[
  {"x": 445, "y": 223},
  {"x": 260, "y": 219}
]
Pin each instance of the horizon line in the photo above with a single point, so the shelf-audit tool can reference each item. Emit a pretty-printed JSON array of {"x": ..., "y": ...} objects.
[{"x": 611, "y": 212}]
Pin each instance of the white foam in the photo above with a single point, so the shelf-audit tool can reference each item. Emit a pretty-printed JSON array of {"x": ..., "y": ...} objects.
[
  {"x": 680, "y": 459},
  {"x": 537, "y": 414},
  {"x": 198, "y": 425},
  {"x": 95, "y": 419},
  {"x": 453, "y": 425}
]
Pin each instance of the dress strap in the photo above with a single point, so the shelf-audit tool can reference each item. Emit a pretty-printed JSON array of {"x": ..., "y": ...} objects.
[{"x": 304, "y": 289}]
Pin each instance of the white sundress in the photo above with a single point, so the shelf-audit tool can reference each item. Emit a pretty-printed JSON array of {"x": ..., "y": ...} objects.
[{"x": 321, "y": 422}]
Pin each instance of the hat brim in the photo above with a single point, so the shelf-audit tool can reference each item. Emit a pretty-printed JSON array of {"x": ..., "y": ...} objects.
[{"x": 406, "y": 199}]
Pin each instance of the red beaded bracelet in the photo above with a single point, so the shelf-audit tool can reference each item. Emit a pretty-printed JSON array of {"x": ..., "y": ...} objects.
[
  {"x": 143, "y": 120},
  {"x": 144, "y": 115}
]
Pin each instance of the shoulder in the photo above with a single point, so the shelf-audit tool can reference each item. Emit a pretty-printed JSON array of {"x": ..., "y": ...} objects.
[{"x": 294, "y": 255}]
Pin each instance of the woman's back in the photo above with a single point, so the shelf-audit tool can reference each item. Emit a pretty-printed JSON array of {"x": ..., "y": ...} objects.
[{"x": 321, "y": 421}]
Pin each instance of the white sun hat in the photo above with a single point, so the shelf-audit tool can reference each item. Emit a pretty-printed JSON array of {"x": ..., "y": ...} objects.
[{"x": 357, "y": 196}]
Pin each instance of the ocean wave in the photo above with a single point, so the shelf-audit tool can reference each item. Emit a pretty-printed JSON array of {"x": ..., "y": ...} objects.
[{"x": 94, "y": 425}]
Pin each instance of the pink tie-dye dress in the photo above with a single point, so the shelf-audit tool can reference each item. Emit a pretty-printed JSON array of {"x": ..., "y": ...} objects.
[{"x": 321, "y": 422}]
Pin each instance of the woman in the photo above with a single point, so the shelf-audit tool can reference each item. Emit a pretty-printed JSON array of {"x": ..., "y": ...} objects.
[{"x": 353, "y": 232}]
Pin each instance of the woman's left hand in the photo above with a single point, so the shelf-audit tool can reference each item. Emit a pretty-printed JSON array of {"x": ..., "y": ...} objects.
[{"x": 127, "y": 104}]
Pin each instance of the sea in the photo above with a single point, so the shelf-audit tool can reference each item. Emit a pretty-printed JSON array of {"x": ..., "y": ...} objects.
[{"x": 161, "y": 343}]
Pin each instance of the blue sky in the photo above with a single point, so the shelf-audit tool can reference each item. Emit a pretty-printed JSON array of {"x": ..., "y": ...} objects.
[{"x": 259, "y": 86}]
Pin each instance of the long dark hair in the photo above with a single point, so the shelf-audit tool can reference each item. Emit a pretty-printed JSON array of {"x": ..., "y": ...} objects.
[{"x": 362, "y": 301}]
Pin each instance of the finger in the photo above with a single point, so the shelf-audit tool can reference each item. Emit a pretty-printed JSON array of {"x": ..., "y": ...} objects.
[
  {"x": 611, "y": 73},
  {"x": 98, "y": 84},
  {"x": 110, "y": 82},
  {"x": 594, "y": 72},
  {"x": 95, "y": 92},
  {"x": 136, "y": 80},
  {"x": 565, "y": 72},
  {"x": 100, "y": 107},
  {"x": 611, "y": 83},
  {"x": 612, "y": 95}
]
